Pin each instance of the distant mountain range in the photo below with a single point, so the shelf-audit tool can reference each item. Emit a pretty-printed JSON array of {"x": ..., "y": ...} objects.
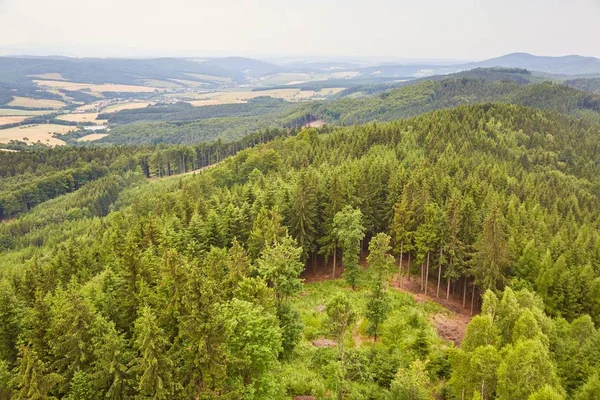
[
  {"x": 228, "y": 71},
  {"x": 567, "y": 65}
]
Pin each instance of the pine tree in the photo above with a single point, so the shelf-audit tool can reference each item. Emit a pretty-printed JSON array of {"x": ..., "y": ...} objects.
[
  {"x": 350, "y": 232},
  {"x": 401, "y": 231},
  {"x": 380, "y": 265},
  {"x": 303, "y": 213},
  {"x": 152, "y": 366},
  {"x": 33, "y": 381},
  {"x": 491, "y": 258},
  {"x": 340, "y": 318}
]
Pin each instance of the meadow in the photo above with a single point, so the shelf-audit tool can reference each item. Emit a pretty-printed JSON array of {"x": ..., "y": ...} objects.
[
  {"x": 291, "y": 95},
  {"x": 34, "y": 133},
  {"x": 36, "y": 103},
  {"x": 91, "y": 137},
  {"x": 94, "y": 88},
  {"x": 125, "y": 106},
  {"x": 85, "y": 117}
]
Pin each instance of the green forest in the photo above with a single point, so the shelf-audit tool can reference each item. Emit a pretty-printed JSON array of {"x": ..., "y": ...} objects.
[
  {"x": 184, "y": 124},
  {"x": 270, "y": 267}
]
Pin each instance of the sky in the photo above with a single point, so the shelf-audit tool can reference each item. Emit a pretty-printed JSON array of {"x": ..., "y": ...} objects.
[{"x": 418, "y": 29}]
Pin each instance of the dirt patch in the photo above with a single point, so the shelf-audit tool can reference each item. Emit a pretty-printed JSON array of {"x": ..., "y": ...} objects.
[
  {"x": 324, "y": 343},
  {"x": 450, "y": 325}
]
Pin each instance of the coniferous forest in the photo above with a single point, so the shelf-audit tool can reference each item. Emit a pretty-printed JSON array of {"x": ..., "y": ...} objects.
[{"x": 272, "y": 267}]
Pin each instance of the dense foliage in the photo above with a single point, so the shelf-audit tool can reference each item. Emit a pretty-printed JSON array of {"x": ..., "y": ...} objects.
[
  {"x": 189, "y": 287},
  {"x": 188, "y": 125}
]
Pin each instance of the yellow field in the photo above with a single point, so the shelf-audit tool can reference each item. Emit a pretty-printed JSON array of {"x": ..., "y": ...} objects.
[
  {"x": 34, "y": 133},
  {"x": 216, "y": 98},
  {"x": 98, "y": 88},
  {"x": 87, "y": 117},
  {"x": 91, "y": 137},
  {"x": 35, "y": 103},
  {"x": 11, "y": 120},
  {"x": 125, "y": 106},
  {"x": 54, "y": 76}
]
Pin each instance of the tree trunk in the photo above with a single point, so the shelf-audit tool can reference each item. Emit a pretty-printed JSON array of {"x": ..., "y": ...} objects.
[
  {"x": 408, "y": 269},
  {"x": 448, "y": 287},
  {"x": 465, "y": 294},
  {"x": 427, "y": 275},
  {"x": 334, "y": 254},
  {"x": 422, "y": 264},
  {"x": 472, "y": 298},
  {"x": 315, "y": 262},
  {"x": 400, "y": 264},
  {"x": 437, "y": 295}
]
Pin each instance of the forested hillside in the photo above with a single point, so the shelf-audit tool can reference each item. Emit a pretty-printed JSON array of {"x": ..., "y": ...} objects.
[
  {"x": 188, "y": 287},
  {"x": 585, "y": 84},
  {"x": 189, "y": 125}
]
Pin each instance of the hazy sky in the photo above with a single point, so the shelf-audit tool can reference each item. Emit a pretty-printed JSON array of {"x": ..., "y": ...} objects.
[{"x": 451, "y": 29}]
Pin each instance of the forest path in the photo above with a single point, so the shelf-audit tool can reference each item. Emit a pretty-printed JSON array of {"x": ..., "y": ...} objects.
[{"x": 451, "y": 323}]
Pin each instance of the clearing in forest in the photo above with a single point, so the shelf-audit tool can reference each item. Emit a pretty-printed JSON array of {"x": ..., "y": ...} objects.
[
  {"x": 91, "y": 137},
  {"x": 452, "y": 318}
]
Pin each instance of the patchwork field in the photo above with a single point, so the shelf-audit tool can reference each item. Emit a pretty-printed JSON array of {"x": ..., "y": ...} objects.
[
  {"x": 11, "y": 120},
  {"x": 91, "y": 137},
  {"x": 125, "y": 106},
  {"x": 291, "y": 95},
  {"x": 86, "y": 117},
  {"x": 291, "y": 78},
  {"x": 97, "y": 88},
  {"x": 34, "y": 133},
  {"x": 36, "y": 103}
]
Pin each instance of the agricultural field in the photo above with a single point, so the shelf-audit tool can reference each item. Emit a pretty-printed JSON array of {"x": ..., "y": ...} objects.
[
  {"x": 53, "y": 76},
  {"x": 94, "y": 88},
  {"x": 11, "y": 120},
  {"x": 36, "y": 103},
  {"x": 34, "y": 133},
  {"x": 185, "y": 82},
  {"x": 91, "y": 137},
  {"x": 10, "y": 112},
  {"x": 85, "y": 117},
  {"x": 162, "y": 84},
  {"x": 292, "y": 95},
  {"x": 210, "y": 77},
  {"x": 293, "y": 78},
  {"x": 125, "y": 106}
]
